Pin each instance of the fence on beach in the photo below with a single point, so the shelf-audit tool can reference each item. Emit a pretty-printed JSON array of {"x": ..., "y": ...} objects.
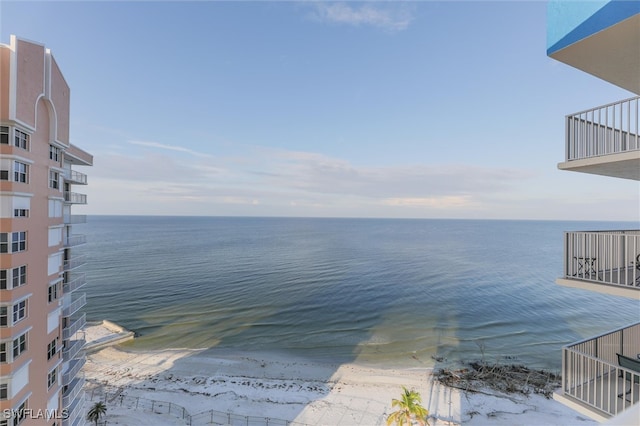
[{"x": 115, "y": 397}]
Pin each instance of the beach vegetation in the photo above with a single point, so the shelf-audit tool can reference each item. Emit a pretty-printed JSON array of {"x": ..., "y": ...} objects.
[
  {"x": 96, "y": 412},
  {"x": 409, "y": 409}
]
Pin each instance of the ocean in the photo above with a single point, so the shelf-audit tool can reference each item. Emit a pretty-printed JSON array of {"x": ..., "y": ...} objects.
[{"x": 384, "y": 292}]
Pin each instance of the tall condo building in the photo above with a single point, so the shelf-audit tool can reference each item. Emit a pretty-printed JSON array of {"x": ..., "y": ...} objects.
[
  {"x": 40, "y": 320},
  {"x": 601, "y": 374}
]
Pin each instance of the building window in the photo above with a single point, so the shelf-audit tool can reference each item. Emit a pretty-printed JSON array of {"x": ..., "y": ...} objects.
[
  {"x": 19, "y": 276},
  {"x": 51, "y": 377},
  {"x": 3, "y": 353},
  {"x": 54, "y": 179},
  {"x": 4, "y": 316},
  {"x": 53, "y": 292},
  {"x": 20, "y": 172},
  {"x": 54, "y": 153},
  {"x": 4, "y": 391},
  {"x": 21, "y": 414},
  {"x": 19, "y": 345},
  {"x": 19, "y": 311},
  {"x": 4, "y": 135},
  {"x": 21, "y": 139},
  {"x": 51, "y": 349},
  {"x": 20, "y": 212},
  {"x": 18, "y": 242},
  {"x": 4, "y": 279}
]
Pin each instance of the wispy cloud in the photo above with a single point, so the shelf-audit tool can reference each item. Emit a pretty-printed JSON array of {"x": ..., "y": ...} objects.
[
  {"x": 389, "y": 17},
  {"x": 177, "y": 148}
]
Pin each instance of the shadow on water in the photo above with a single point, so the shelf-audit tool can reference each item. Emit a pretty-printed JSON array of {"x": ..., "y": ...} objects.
[{"x": 392, "y": 293}]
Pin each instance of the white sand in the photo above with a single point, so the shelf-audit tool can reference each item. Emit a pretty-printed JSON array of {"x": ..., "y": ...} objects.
[{"x": 291, "y": 389}]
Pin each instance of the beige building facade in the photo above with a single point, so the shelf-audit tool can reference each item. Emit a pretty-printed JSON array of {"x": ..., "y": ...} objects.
[{"x": 40, "y": 322}]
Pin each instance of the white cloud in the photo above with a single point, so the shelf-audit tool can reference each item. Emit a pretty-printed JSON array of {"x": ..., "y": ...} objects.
[
  {"x": 168, "y": 147},
  {"x": 388, "y": 18}
]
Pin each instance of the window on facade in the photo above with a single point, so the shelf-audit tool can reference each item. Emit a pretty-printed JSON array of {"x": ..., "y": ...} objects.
[
  {"x": 19, "y": 276},
  {"x": 19, "y": 345},
  {"x": 4, "y": 391},
  {"x": 54, "y": 179},
  {"x": 3, "y": 353},
  {"x": 20, "y": 171},
  {"x": 54, "y": 153},
  {"x": 51, "y": 377},
  {"x": 4, "y": 135},
  {"x": 21, "y": 414},
  {"x": 18, "y": 241},
  {"x": 21, "y": 139},
  {"x": 4, "y": 174},
  {"x": 53, "y": 292},
  {"x": 19, "y": 311},
  {"x": 4, "y": 242},
  {"x": 20, "y": 212},
  {"x": 4, "y": 316},
  {"x": 4, "y": 279},
  {"x": 51, "y": 349}
]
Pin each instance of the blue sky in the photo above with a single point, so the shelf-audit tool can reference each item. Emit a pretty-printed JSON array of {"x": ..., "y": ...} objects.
[{"x": 338, "y": 109}]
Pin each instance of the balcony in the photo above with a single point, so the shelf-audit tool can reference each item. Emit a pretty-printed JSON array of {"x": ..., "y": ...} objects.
[
  {"x": 73, "y": 349},
  {"x": 75, "y": 240},
  {"x": 72, "y": 219},
  {"x": 72, "y": 371},
  {"x": 75, "y": 177},
  {"x": 73, "y": 390},
  {"x": 74, "y": 198},
  {"x": 603, "y": 261},
  {"x": 77, "y": 281},
  {"x": 75, "y": 326},
  {"x": 75, "y": 415},
  {"x": 73, "y": 263},
  {"x": 605, "y": 140},
  {"x": 592, "y": 380},
  {"x": 74, "y": 306}
]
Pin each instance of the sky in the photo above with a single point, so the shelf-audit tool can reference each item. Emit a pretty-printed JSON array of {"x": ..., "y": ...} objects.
[{"x": 322, "y": 109}]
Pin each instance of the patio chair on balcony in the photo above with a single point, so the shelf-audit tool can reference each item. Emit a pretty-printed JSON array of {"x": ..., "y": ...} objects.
[{"x": 630, "y": 364}]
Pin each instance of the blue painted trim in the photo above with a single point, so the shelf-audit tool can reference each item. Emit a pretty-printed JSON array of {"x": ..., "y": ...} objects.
[{"x": 612, "y": 13}]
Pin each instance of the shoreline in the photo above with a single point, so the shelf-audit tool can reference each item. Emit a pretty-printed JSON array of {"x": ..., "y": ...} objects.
[{"x": 291, "y": 389}]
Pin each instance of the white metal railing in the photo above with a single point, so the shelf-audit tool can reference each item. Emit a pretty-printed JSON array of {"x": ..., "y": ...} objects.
[
  {"x": 75, "y": 198},
  {"x": 591, "y": 374},
  {"x": 73, "y": 176},
  {"x": 74, "y": 306},
  {"x": 75, "y": 283},
  {"x": 74, "y": 389},
  {"x": 74, "y": 414},
  {"x": 74, "y": 262},
  {"x": 73, "y": 349},
  {"x": 71, "y": 219},
  {"x": 74, "y": 368},
  {"x": 607, "y": 257},
  {"x": 75, "y": 240},
  {"x": 74, "y": 327},
  {"x": 608, "y": 129}
]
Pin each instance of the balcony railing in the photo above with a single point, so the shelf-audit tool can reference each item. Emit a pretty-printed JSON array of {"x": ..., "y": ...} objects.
[
  {"x": 76, "y": 281},
  {"x": 74, "y": 414},
  {"x": 74, "y": 389},
  {"x": 75, "y": 240},
  {"x": 71, "y": 219},
  {"x": 74, "y": 327},
  {"x": 72, "y": 371},
  {"x": 74, "y": 198},
  {"x": 73, "y": 176},
  {"x": 592, "y": 376},
  {"x": 604, "y": 130},
  {"x": 74, "y": 306},
  {"x": 74, "y": 348},
  {"x": 606, "y": 257},
  {"x": 74, "y": 262}
]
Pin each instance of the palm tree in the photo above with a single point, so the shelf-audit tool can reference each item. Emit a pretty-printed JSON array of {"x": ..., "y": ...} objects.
[
  {"x": 409, "y": 408},
  {"x": 97, "y": 410}
]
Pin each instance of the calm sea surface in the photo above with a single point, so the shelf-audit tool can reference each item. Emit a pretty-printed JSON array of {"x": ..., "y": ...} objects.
[{"x": 384, "y": 292}]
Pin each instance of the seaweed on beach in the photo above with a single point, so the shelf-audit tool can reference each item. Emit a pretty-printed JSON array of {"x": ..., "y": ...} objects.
[{"x": 508, "y": 379}]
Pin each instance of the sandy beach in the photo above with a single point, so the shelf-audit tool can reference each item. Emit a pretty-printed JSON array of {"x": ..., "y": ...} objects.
[{"x": 177, "y": 386}]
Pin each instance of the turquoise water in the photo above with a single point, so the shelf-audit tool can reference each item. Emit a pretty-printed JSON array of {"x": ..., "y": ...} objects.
[{"x": 383, "y": 292}]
